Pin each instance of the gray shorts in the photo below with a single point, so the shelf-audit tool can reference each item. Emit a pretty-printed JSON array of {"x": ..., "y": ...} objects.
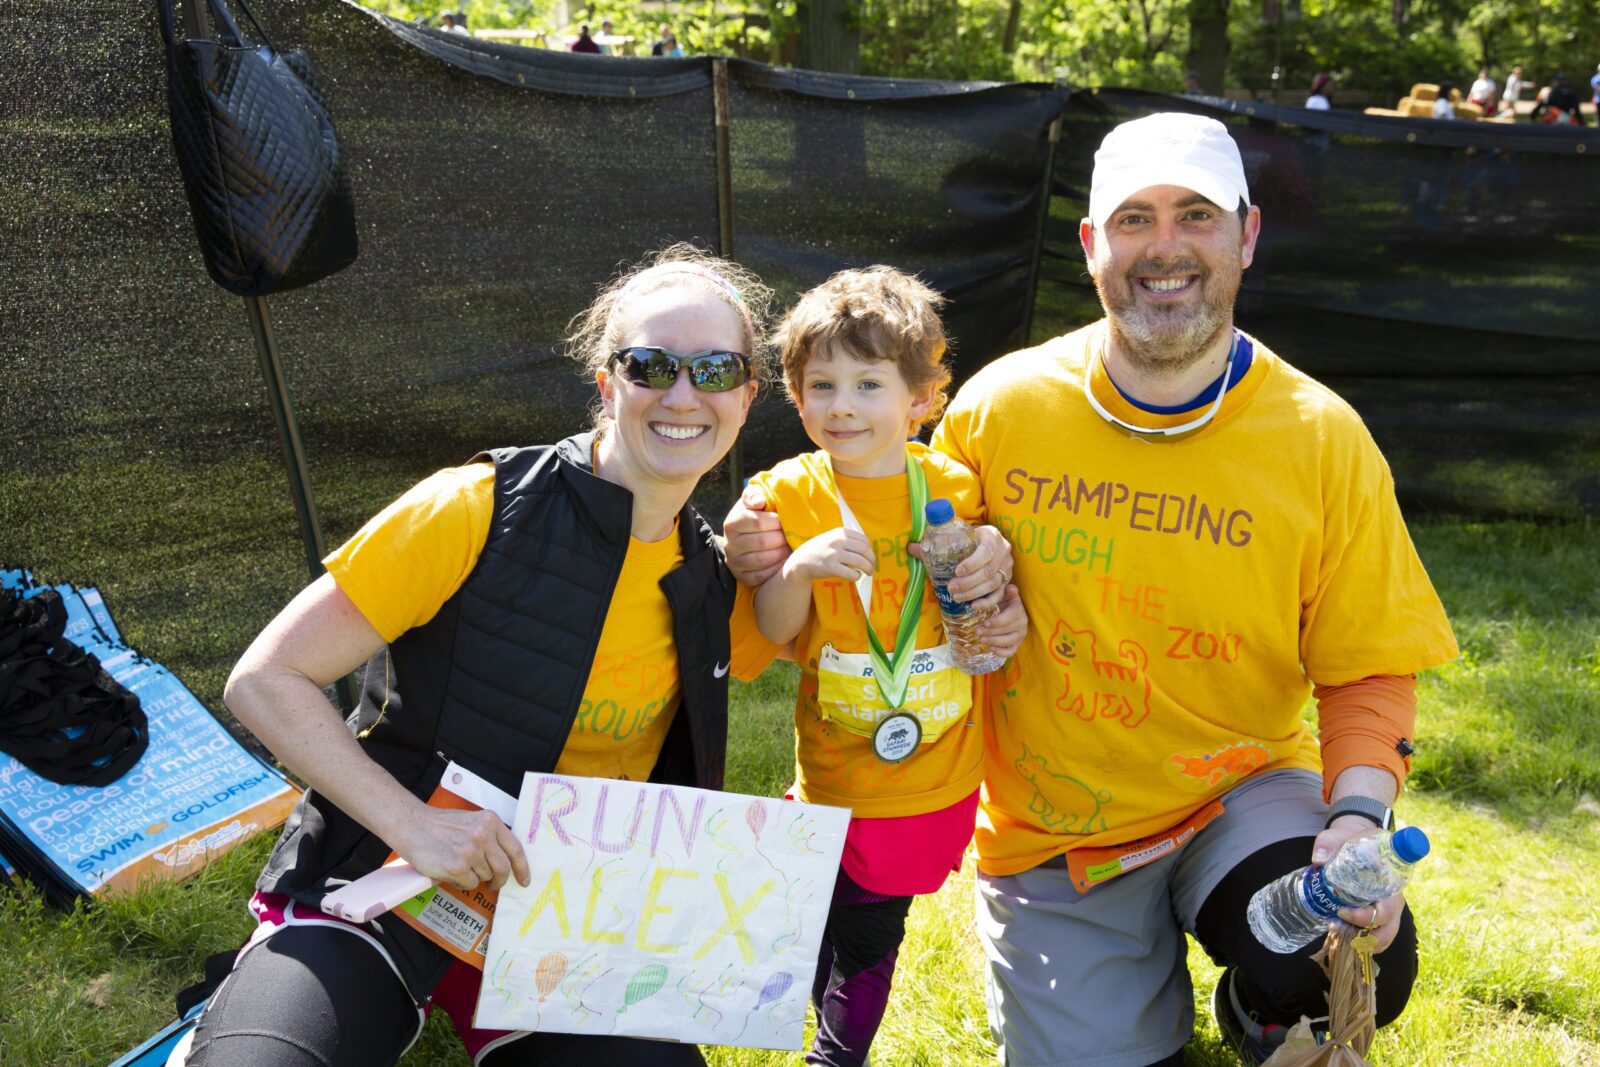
[{"x": 1100, "y": 979}]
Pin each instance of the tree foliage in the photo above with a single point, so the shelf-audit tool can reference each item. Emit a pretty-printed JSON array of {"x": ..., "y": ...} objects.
[
  {"x": 481, "y": 14},
  {"x": 1382, "y": 46}
]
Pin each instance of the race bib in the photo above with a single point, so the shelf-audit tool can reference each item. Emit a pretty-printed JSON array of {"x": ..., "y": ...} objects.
[{"x": 938, "y": 693}]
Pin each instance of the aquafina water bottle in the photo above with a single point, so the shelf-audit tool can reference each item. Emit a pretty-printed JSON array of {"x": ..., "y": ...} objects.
[
  {"x": 945, "y": 543},
  {"x": 1295, "y": 910}
]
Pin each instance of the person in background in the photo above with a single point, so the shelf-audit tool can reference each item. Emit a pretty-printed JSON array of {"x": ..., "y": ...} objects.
[
  {"x": 1206, "y": 537},
  {"x": 1557, "y": 104},
  {"x": 1482, "y": 91},
  {"x": 663, "y": 35},
  {"x": 1594, "y": 87},
  {"x": 1317, "y": 100},
  {"x": 451, "y": 23},
  {"x": 584, "y": 43},
  {"x": 1443, "y": 106},
  {"x": 495, "y": 605},
  {"x": 604, "y": 40},
  {"x": 1191, "y": 85},
  {"x": 1513, "y": 91}
]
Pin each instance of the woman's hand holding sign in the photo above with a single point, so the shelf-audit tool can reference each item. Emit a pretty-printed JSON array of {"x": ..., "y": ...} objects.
[{"x": 464, "y": 849}]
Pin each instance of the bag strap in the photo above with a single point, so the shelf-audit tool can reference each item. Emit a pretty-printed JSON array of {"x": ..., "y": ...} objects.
[
  {"x": 221, "y": 13},
  {"x": 194, "y": 23}
]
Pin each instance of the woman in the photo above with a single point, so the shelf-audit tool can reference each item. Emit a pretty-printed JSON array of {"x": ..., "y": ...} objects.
[{"x": 493, "y": 604}]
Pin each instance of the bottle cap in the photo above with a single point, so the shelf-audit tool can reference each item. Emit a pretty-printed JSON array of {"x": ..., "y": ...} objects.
[
  {"x": 938, "y": 511},
  {"x": 1410, "y": 843}
]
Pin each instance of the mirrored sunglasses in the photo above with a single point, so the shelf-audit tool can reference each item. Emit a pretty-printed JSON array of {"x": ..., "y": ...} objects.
[{"x": 712, "y": 371}]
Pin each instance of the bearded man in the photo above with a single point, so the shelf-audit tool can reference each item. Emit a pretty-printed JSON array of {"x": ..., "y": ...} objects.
[{"x": 1203, "y": 537}]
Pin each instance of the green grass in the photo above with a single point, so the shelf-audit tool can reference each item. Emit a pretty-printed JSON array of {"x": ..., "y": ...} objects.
[{"x": 1506, "y": 780}]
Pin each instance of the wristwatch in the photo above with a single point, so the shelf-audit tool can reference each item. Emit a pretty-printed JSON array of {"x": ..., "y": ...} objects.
[{"x": 1380, "y": 813}]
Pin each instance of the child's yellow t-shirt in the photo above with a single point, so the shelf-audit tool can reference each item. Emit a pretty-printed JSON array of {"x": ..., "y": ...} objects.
[
  {"x": 834, "y": 765},
  {"x": 410, "y": 558}
]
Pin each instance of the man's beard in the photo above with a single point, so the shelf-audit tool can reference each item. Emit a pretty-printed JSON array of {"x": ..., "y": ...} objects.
[{"x": 1162, "y": 341}]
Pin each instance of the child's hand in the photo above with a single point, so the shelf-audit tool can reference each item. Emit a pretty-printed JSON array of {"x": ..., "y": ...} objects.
[{"x": 839, "y": 553}]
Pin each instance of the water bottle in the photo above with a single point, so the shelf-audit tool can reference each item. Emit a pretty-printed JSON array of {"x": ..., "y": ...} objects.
[
  {"x": 945, "y": 543},
  {"x": 1295, "y": 910}
]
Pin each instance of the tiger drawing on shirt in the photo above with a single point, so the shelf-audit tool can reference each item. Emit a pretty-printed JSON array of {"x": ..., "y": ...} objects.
[{"x": 1078, "y": 651}]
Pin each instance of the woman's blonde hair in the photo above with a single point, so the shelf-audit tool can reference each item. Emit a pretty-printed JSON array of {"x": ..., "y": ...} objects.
[
  {"x": 874, "y": 314},
  {"x": 597, "y": 332}
]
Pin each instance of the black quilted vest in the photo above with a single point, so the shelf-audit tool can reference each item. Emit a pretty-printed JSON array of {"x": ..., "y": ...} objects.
[{"x": 493, "y": 681}]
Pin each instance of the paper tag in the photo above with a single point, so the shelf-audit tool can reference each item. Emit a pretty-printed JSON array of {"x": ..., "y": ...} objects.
[
  {"x": 937, "y": 694},
  {"x": 1090, "y": 867}
]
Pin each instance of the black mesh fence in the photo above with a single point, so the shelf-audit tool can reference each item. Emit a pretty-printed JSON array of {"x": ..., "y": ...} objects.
[
  {"x": 1444, "y": 277},
  {"x": 495, "y": 187}
]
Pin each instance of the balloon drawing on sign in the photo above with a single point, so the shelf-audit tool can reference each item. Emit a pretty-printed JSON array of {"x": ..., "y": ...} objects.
[
  {"x": 642, "y": 985},
  {"x": 755, "y": 816},
  {"x": 547, "y": 975},
  {"x": 775, "y": 988}
]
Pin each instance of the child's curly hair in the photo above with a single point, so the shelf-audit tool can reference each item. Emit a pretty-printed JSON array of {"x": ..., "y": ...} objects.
[
  {"x": 597, "y": 332},
  {"x": 877, "y": 313}
]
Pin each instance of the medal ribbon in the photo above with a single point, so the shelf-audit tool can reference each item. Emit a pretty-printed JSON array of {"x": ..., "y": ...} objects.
[{"x": 892, "y": 671}]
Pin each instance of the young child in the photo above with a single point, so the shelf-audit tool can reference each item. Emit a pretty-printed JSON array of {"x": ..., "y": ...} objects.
[{"x": 862, "y": 361}]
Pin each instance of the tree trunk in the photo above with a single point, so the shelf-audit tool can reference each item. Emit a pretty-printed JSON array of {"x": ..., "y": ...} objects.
[
  {"x": 1013, "y": 22},
  {"x": 1208, "y": 43},
  {"x": 829, "y": 38}
]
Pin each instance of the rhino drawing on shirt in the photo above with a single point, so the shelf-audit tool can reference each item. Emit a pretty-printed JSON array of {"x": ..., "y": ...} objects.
[
  {"x": 1086, "y": 802},
  {"x": 1078, "y": 651}
]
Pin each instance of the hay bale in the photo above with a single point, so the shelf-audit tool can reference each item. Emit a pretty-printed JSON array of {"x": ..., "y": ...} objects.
[{"x": 1425, "y": 91}]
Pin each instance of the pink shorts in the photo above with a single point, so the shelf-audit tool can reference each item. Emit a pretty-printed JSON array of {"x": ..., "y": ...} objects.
[{"x": 910, "y": 855}]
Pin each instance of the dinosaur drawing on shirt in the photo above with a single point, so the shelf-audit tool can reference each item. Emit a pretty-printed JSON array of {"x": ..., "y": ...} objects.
[
  {"x": 1230, "y": 763},
  {"x": 1087, "y": 802},
  {"x": 1086, "y": 699}
]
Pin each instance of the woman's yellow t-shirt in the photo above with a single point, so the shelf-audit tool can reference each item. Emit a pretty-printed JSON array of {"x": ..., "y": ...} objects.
[
  {"x": 835, "y": 765},
  {"x": 410, "y": 558}
]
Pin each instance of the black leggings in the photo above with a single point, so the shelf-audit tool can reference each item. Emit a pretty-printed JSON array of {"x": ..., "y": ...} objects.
[
  {"x": 314, "y": 996},
  {"x": 1281, "y": 988}
]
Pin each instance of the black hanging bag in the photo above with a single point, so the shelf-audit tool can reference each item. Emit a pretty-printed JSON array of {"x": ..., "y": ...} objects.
[{"x": 265, "y": 176}]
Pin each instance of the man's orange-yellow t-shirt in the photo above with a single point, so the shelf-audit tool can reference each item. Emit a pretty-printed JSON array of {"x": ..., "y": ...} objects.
[{"x": 1183, "y": 596}]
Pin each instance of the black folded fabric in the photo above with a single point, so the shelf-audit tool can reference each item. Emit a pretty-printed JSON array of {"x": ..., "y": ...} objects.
[{"x": 61, "y": 714}]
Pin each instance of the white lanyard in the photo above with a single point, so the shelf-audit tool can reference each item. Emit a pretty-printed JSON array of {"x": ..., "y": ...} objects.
[{"x": 1161, "y": 431}]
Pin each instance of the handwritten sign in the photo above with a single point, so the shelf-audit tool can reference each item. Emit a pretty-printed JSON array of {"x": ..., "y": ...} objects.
[{"x": 661, "y": 911}]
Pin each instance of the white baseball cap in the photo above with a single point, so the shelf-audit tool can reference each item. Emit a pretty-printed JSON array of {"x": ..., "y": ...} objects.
[{"x": 1167, "y": 148}]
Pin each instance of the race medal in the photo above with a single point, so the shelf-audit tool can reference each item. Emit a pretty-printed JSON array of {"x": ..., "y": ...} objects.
[
  {"x": 897, "y": 737},
  {"x": 891, "y": 671}
]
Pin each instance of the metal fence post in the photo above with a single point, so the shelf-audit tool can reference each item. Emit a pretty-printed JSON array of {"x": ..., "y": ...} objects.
[
  {"x": 294, "y": 459},
  {"x": 719, "y": 96},
  {"x": 1038, "y": 239}
]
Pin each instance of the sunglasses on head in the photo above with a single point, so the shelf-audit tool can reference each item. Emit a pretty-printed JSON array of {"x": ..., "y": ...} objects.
[{"x": 711, "y": 371}]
